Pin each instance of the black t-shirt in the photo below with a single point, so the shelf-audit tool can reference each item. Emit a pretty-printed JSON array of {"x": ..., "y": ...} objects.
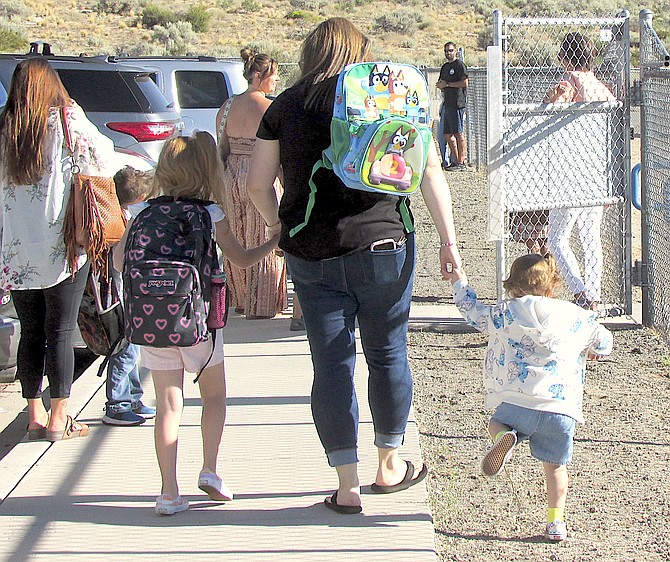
[
  {"x": 342, "y": 220},
  {"x": 454, "y": 72}
]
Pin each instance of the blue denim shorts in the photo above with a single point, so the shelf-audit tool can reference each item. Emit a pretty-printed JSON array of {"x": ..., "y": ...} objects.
[{"x": 550, "y": 435}]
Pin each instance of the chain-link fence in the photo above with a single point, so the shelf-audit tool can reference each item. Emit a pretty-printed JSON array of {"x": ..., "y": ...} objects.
[
  {"x": 655, "y": 150},
  {"x": 559, "y": 151}
]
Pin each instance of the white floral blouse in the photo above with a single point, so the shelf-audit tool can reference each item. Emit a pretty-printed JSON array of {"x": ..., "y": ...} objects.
[{"x": 31, "y": 216}]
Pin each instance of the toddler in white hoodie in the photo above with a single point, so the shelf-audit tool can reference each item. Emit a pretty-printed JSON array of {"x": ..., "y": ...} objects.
[{"x": 534, "y": 371}]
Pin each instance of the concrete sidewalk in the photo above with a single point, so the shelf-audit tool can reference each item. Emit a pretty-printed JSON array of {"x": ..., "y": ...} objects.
[{"x": 92, "y": 499}]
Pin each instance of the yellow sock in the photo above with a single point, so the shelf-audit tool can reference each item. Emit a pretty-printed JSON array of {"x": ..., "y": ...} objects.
[
  {"x": 555, "y": 513},
  {"x": 500, "y": 433}
]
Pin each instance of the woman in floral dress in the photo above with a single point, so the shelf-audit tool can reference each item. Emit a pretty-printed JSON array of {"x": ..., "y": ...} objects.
[{"x": 259, "y": 291}]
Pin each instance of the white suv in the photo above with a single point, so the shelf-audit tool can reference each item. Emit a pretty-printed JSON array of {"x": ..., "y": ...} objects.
[
  {"x": 121, "y": 100},
  {"x": 196, "y": 86}
]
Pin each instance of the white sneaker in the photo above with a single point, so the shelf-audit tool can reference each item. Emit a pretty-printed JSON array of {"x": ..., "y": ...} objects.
[
  {"x": 495, "y": 458},
  {"x": 165, "y": 505},
  {"x": 556, "y": 531},
  {"x": 214, "y": 487}
]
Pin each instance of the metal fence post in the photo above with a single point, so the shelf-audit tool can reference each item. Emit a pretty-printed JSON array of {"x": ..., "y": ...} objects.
[{"x": 645, "y": 55}]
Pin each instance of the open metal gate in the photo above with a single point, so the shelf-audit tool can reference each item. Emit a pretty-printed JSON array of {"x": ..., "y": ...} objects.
[{"x": 553, "y": 164}]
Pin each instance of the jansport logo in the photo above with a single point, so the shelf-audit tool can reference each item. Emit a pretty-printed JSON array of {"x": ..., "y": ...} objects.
[{"x": 169, "y": 284}]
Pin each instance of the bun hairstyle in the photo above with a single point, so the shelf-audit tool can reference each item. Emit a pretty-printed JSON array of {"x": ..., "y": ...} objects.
[
  {"x": 532, "y": 274},
  {"x": 257, "y": 62}
]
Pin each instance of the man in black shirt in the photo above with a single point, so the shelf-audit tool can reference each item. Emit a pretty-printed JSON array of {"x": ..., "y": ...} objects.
[{"x": 453, "y": 82}]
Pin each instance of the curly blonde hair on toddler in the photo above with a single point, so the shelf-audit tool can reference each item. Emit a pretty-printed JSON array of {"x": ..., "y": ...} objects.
[{"x": 532, "y": 274}]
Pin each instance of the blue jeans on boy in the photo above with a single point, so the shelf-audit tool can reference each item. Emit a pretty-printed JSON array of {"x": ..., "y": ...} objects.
[
  {"x": 376, "y": 288},
  {"x": 124, "y": 391}
]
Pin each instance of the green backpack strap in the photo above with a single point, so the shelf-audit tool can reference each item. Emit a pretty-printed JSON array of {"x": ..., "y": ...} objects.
[
  {"x": 405, "y": 215},
  {"x": 323, "y": 162}
]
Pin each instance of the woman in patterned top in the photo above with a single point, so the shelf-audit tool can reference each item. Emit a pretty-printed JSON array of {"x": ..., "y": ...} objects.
[
  {"x": 35, "y": 180},
  {"x": 534, "y": 371}
]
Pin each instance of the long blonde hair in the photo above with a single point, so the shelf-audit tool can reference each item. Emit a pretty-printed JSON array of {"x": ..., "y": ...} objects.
[
  {"x": 328, "y": 48},
  {"x": 35, "y": 89},
  {"x": 532, "y": 274},
  {"x": 189, "y": 168}
]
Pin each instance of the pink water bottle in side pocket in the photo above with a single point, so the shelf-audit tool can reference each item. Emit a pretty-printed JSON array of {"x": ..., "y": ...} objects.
[{"x": 218, "y": 301}]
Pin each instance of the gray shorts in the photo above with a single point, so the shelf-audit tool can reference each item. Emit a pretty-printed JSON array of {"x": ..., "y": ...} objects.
[{"x": 550, "y": 435}]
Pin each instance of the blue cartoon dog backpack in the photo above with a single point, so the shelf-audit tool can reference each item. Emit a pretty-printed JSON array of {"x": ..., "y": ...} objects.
[{"x": 380, "y": 131}]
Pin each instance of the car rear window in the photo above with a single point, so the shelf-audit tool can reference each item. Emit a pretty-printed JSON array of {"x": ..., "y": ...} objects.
[
  {"x": 198, "y": 89},
  {"x": 113, "y": 91}
]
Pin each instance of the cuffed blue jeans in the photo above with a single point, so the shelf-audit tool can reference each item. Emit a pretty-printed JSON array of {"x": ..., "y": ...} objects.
[
  {"x": 124, "y": 391},
  {"x": 376, "y": 288}
]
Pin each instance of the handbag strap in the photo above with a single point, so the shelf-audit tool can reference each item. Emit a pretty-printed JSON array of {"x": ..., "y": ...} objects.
[{"x": 66, "y": 132}]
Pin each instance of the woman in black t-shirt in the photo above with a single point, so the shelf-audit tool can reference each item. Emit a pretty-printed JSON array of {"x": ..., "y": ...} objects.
[{"x": 353, "y": 259}]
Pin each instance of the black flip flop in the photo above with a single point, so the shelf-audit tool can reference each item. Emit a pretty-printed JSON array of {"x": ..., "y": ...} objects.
[
  {"x": 405, "y": 483},
  {"x": 343, "y": 509}
]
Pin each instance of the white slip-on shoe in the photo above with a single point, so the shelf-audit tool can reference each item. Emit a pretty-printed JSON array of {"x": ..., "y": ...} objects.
[
  {"x": 165, "y": 505},
  {"x": 214, "y": 487},
  {"x": 495, "y": 458}
]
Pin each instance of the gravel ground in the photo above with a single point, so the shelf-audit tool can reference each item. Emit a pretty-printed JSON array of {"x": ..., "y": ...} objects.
[{"x": 619, "y": 499}]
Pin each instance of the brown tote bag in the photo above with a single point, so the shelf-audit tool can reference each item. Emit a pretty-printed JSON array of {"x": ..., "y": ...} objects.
[{"x": 93, "y": 216}]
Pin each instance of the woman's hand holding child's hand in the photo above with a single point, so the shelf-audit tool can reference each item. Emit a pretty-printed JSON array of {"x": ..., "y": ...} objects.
[{"x": 451, "y": 265}]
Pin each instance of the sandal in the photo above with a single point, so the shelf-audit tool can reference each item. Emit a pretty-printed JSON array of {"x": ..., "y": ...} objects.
[
  {"x": 37, "y": 434},
  {"x": 71, "y": 430}
]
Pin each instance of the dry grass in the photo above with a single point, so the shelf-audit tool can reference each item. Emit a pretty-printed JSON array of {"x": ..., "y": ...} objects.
[{"x": 72, "y": 29}]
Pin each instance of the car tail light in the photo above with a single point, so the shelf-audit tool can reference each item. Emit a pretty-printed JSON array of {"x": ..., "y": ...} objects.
[{"x": 143, "y": 132}]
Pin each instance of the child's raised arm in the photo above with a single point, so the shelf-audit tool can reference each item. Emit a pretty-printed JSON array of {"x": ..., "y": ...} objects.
[
  {"x": 234, "y": 251},
  {"x": 600, "y": 343}
]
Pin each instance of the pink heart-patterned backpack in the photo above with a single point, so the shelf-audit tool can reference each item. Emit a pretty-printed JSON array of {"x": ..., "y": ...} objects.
[{"x": 170, "y": 256}]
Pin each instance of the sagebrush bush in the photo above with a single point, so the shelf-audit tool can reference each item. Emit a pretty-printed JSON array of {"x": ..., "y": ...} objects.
[
  {"x": 288, "y": 75},
  {"x": 311, "y": 5},
  {"x": 269, "y": 48},
  {"x": 347, "y": 6},
  {"x": 119, "y": 7},
  {"x": 250, "y": 6},
  {"x": 9, "y": 9},
  {"x": 154, "y": 15},
  {"x": 176, "y": 38},
  {"x": 142, "y": 49},
  {"x": 403, "y": 22},
  {"x": 199, "y": 17},
  {"x": 98, "y": 46},
  {"x": 13, "y": 41}
]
